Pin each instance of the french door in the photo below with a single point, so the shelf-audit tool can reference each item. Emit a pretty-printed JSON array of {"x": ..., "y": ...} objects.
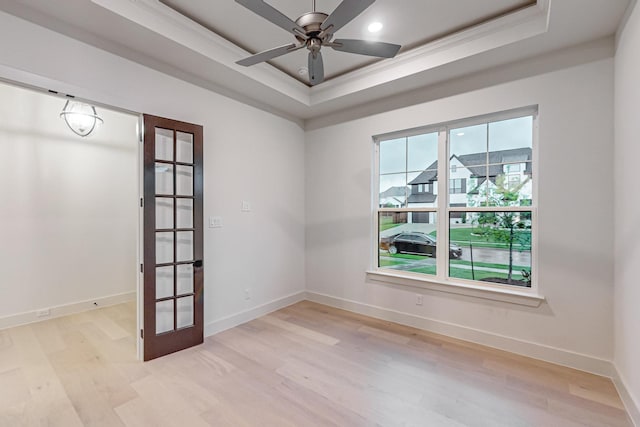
[{"x": 173, "y": 236}]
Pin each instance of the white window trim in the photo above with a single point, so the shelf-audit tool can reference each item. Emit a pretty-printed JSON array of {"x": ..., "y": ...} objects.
[
  {"x": 485, "y": 291},
  {"x": 504, "y": 293}
]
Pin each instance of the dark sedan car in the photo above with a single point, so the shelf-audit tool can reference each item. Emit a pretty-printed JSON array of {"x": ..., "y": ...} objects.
[{"x": 416, "y": 243}]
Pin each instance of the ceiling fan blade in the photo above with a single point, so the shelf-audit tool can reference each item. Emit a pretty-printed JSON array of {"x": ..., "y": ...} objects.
[
  {"x": 268, "y": 54},
  {"x": 364, "y": 47},
  {"x": 316, "y": 68},
  {"x": 345, "y": 12},
  {"x": 272, "y": 15}
]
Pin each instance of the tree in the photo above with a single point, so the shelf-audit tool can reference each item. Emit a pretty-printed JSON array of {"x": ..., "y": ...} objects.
[{"x": 506, "y": 227}]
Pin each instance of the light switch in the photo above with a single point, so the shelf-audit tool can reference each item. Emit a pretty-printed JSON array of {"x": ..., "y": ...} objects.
[
  {"x": 246, "y": 206},
  {"x": 215, "y": 222}
]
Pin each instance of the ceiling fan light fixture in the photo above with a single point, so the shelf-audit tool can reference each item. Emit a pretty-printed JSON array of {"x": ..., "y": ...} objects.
[
  {"x": 81, "y": 118},
  {"x": 313, "y": 30},
  {"x": 375, "y": 27}
]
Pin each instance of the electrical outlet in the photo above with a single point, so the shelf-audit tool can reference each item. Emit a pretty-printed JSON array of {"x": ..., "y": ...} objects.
[
  {"x": 43, "y": 313},
  {"x": 247, "y": 294},
  {"x": 419, "y": 299}
]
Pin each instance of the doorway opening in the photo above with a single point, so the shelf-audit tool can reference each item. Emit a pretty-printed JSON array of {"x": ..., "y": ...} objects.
[{"x": 70, "y": 209}]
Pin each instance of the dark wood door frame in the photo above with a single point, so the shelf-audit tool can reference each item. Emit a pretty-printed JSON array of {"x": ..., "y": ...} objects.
[{"x": 156, "y": 345}]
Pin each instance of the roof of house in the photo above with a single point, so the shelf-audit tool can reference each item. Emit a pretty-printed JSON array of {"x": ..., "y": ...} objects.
[
  {"x": 422, "y": 198},
  {"x": 394, "y": 192},
  {"x": 477, "y": 164}
]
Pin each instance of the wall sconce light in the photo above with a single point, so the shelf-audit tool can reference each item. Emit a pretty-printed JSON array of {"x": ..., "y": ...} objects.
[{"x": 81, "y": 118}]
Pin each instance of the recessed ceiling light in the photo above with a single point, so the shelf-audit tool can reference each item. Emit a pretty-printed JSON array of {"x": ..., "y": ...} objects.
[
  {"x": 460, "y": 134},
  {"x": 303, "y": 71},
  {"x": 374, "y": 27}
]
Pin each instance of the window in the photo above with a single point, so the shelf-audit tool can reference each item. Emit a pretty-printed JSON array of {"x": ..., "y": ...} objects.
[
  {"x": 480, "y": 230},
  {"x": 457, "y": 186}
]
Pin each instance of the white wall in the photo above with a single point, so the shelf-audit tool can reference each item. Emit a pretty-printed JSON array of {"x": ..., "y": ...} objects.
[
  {"x": 575, "y": 218},
  {"x": 68, "y": 205},
  {"x": 627, "y": 207},
  {"x": 249, "y": 155}
]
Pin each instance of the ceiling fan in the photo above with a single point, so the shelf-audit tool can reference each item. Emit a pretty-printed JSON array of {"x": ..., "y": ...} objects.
[{"x": 314, "y": 30}]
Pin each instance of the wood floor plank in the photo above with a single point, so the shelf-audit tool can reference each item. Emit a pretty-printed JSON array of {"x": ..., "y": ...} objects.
[
  {"x": 305, "y": 365},
  {"x": 167, "y": 402},
  {"x": 308, "y": 333},
  {"x": 48, "y": 403},
  {"x": 138, "y": 413},
  {"x": 92, "y": 385},
  {"x": 14, "y": 389}
]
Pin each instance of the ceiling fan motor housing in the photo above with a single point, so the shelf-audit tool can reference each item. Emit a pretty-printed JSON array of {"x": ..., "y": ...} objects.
[{"x": 311, "y": 23}]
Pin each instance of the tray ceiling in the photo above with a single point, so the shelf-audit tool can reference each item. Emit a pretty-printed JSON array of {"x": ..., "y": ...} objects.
[
  {"x": 410, "y": 27},
  {"x": 199, "y": 42}
]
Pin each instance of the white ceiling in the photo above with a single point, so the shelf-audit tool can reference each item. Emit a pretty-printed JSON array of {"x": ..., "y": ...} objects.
[
  {"x": 254, "y": 34},
  {"x": 443, "y": 39}
]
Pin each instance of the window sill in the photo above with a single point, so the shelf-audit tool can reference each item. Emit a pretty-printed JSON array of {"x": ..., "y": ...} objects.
[{"x": 491, "y": 292}]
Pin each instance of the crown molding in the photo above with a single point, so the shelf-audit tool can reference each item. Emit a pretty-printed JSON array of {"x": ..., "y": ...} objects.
[
  {"x": 161, "y": 19},
  {"x": 520, "y": 25}
]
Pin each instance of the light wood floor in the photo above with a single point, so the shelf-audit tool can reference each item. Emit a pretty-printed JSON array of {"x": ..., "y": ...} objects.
[{"x": 306, "y": 365}]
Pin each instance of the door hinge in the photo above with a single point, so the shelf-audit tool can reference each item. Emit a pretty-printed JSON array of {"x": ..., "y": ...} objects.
[
  {"x": 141, "y": 268},
  {"x": 142, "y": 333},
  {"x": 141, "y": 202}
]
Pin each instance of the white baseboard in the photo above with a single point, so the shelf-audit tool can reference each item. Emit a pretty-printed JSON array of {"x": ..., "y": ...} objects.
[
  {"x": 65, "y": 309},
  {"x": 251, "y": 314},
  {"x": 537, "y": 351},
  {"x": 630, "y": 404}
]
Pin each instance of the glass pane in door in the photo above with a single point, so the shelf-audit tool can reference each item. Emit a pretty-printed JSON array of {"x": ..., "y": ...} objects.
[
  {"x": 185, "y": 312},
  {"x": 164, "y": 316},
  {"x": 185, "y": 279},
  {"x": 184, "y": 147},
  {"x": 184, "y": 180},
  {"x": 164, "y": 213},
  {"x": 164, "y": 282},
  {"x": 164, "y": 179},
  {"x": 164, "y": 144},
  {"x": 164, "y": 248},
  {"x": 184, "y": 246},
  {"x": 184, "y": 213}
]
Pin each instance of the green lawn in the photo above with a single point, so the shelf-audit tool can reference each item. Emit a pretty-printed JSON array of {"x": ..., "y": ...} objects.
[
  {"x": 389, "y": 262},
  {"x": 387, "y": 223},
  {"x": 462, "y": 237},
  {"x": 388, "y": 226},
  {"x": 455, "y": 262},
  {"x": 431, "y": 269},
  {"x": 460, "y": 273},
  {"x": 455, "y": 272},
  {"x": 480, "y": 275}
]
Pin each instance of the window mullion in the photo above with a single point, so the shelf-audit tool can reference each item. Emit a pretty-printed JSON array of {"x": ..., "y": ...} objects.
[
  {"x": 376, "y": 205},
  {"x": 442, "y": 257}
]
